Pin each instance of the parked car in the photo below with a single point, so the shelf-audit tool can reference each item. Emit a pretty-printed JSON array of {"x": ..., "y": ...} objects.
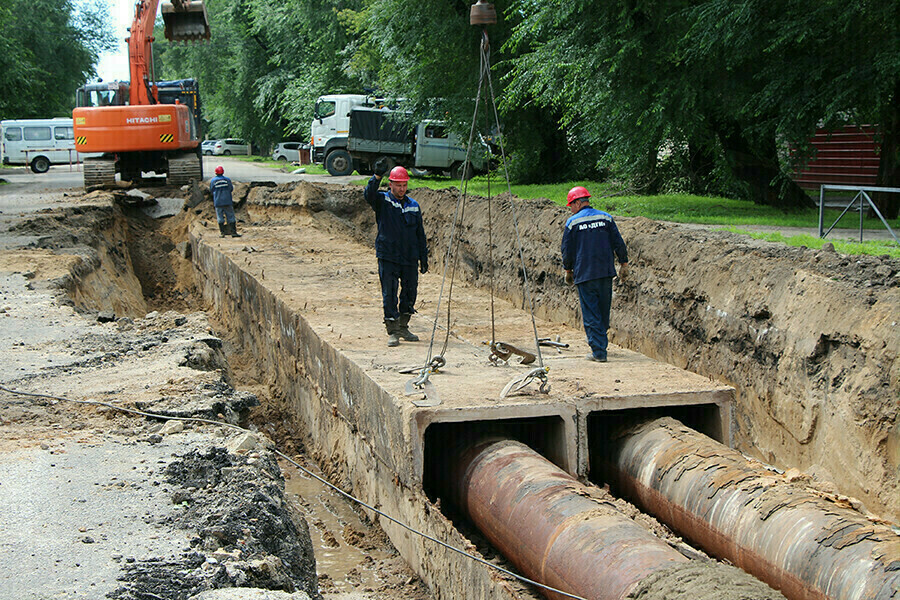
[
  {"x": 208, "y": 146},
  {"x": 231, "y": 146},
  {"x": 287, "y": 152}
]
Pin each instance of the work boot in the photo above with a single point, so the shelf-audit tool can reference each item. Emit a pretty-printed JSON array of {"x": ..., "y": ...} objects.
[
  {"x": 393, "y": 332},
  {"x": 232, "y": 229},
  {"x": 403, "y": 328},
  {"x": 223, "y": 229}
]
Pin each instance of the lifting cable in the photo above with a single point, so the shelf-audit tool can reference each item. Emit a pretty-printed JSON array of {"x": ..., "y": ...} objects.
[
  {"x": 499, "y": 350},
  {"x": 305, "y": 471}
]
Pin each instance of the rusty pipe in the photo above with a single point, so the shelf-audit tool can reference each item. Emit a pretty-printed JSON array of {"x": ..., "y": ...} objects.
[
  {"x": 783, "y": 532},
  {"x": 572, "y": 537}
]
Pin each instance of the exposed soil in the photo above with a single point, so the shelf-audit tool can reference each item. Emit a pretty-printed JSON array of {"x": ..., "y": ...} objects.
[
  {"x": 72, "y": 324},
  {"x": 810, "y": 340}
]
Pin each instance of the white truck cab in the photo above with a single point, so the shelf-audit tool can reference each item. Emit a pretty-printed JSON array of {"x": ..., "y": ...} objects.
[{"x": 331, "y": 122}]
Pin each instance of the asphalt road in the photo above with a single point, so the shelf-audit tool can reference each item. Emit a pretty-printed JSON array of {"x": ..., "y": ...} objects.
[{"x": 61, "y": 177}]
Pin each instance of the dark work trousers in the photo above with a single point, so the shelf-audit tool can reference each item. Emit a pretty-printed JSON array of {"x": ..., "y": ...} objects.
[
  {"x": 596, "y": 298},
  {"x": 394, "y": 277},
  {"x": 225, "y": 214}
]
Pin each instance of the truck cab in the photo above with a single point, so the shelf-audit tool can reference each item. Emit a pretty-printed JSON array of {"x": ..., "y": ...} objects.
[
  {"x": 331, "y": 123},
  {"x": 439, "y": 149}
]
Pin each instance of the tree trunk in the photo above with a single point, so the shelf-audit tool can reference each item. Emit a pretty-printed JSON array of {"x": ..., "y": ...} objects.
[
  {"x": 889, "y": 163},
  {"x": 701, "y": 165},
  {"x": 757, "y": 166}
]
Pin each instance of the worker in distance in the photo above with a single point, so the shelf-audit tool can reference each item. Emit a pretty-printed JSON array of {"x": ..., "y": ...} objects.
[
  {"x": 590, "y": 244},
  {"x": 221, "y": 188},
  {"x": 400, "y": 247}
]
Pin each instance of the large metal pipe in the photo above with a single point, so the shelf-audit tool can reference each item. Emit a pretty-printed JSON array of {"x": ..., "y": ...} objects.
[
  {"x": 569, "y": 536},
  {"x": 785, "y": 533}
]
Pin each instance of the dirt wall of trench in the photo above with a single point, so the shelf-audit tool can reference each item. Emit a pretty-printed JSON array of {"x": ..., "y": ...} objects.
[{"x": 809, "y": 338}]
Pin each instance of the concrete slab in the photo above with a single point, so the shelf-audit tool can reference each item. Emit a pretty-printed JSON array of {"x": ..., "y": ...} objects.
[
  {"x": 331, "y": 284},
  {"x": 305, "y": 300}
]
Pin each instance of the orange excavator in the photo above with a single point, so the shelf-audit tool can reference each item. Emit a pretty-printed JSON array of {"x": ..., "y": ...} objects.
[{"x": 142, "y": 125}]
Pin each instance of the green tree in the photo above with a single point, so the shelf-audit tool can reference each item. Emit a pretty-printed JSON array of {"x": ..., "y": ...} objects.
[
  {"x": 266, "y": 63},
  {"x": 48, "y": 48},
  {"x": 729, "y": 86},
  {"x": 429, "y": 54}
]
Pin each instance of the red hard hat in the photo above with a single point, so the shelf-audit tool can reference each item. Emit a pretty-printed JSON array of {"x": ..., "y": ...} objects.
[
  {"x": 576, "y": 193},
  {"x": 398, "y": 174},
  {"x": 220, "y": 170}
]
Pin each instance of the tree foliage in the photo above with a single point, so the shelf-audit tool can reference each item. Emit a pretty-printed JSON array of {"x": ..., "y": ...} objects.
[
  {"x": 712, "y": 96},
  {"x": 727, "y": 86},
  {"x": 266, "y": 63},
  {"x": 48, "y": 48}
]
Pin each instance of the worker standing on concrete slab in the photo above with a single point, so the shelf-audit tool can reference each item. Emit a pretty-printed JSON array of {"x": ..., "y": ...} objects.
[
  {"x": 400, "y": 247},
  {"x": 221, "y": 188},
  {"x": 590, "y": 243}
]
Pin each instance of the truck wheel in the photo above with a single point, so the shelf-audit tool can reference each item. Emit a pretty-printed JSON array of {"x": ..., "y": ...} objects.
[
  {"x": 391, "y": 163},
  {"x": 338, "y": 163},
  {"x": 40, "y": 164},
  {"x": 456, "y": 171}
]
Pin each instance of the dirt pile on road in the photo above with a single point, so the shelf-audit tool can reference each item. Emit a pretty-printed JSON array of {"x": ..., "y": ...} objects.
[{"x": 245, "y": 534}]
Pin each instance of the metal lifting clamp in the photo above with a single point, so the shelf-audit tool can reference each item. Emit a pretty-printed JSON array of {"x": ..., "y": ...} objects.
[
  {"x": 502, "y": 351},
  {"x": 539, "y": 373},
  {"x": 421, "y": 383}
]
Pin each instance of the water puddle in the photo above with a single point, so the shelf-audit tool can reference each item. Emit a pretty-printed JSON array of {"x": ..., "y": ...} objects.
[{"x": 347, "y": 549}]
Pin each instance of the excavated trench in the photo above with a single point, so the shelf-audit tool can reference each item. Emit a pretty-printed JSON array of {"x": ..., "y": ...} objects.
[{"x": 737, "y": 336}]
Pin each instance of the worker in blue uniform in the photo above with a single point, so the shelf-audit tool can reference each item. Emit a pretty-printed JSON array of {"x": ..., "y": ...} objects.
[
  {"x": 400, "y": 247},
  {"x": 591, "y": 242},
  {"x": 221, "y": 188}
]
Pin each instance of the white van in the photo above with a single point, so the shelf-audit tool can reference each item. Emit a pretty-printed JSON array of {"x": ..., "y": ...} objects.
[{"x": 38, "y": 143}]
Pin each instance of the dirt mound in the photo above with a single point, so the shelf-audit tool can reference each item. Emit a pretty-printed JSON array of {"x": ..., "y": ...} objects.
[{"x": 246, "y": 535}]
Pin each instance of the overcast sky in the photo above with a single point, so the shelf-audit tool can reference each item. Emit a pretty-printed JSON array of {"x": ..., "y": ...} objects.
[{"x": 114, "y": 65}]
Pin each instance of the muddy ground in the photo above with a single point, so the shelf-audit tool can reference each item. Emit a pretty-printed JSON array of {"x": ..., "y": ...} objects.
[{"x": 808, "y": 338}]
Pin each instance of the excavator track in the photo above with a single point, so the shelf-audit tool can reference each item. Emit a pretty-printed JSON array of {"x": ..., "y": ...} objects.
[
  {"x": 183, "y": 169},
  {"x": 99, "y": 171}
]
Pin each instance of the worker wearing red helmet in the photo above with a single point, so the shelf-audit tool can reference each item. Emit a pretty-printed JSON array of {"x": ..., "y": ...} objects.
[
  {"x": 400, "y": 247},
  {"x": 221, "y": 188},
  {"x": 591, "y": 242}
]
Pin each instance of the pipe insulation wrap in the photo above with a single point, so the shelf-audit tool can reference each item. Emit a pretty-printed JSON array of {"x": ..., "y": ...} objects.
[{"x": 787, "y": 534}]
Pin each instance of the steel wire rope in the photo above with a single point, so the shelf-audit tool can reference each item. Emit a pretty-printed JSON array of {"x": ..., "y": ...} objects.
[
  {"x": 306, "y": 471},
  {"x": 485, "y": 49},
  {"x": 457, "y": 220}
]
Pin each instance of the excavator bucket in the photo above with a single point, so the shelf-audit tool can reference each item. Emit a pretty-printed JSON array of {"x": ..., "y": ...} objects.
[{"x": 185, "y": 20}]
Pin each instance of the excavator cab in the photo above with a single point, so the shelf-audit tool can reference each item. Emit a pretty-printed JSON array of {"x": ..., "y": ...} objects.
[
  {"x": 185, "y": 20},
  {"x": 112, "y": 93}
]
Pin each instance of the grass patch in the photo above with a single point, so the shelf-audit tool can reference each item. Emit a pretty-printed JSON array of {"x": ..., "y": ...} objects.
[
  {"x": 731, "y": 214},
  {"x": 873, "y": 248},
  {"x": 689, "y": 208}
]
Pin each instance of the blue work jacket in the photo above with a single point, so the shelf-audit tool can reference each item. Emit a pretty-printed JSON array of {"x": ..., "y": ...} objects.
[
  {"x": 401, "y": 235},
  {"x": 590, "y": 243},
  {"x": 221, "y": 188}
]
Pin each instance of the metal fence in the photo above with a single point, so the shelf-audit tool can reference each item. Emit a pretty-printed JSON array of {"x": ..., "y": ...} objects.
[{"x": 857, "y": 203}]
